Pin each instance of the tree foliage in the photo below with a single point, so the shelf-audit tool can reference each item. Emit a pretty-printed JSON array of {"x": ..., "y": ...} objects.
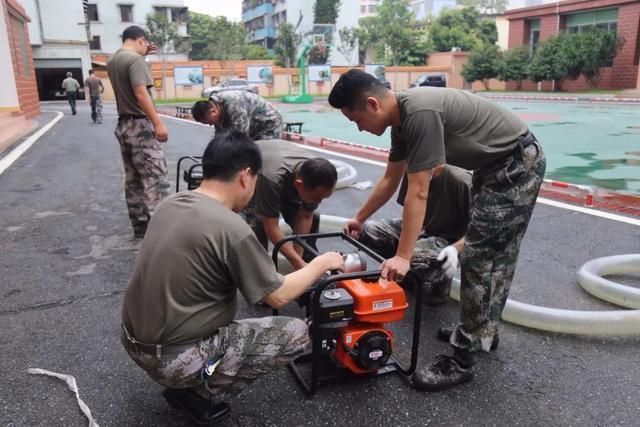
[
  {"x": 514, "y": 65},
  {"x": 585, "y": 52},
  {"x": 348, "y": 43},
  {"x": 324, "y": 12},
  {"x": 484, "y": 64},
  {"x": 461, "y": 28},
  {"x": 487, "y": 7},
  {"x": 286, "y": 45},
  {"x": 164, "y": 34},
  {"x": 216, "y": 38},
  {"x": 545, "y": 63},
  {"x": 396, "y": 28}
]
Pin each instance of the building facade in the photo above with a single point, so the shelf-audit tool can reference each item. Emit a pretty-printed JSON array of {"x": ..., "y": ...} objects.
[
  {"x": 424, "y": 9},
  {"x": 18, "y": 93},
  {"x": 527, "y": 26},
  {"x": 262, "y": 18},
  {"x": 61, "y": 43},
  {"x": 108, "y": 18}
]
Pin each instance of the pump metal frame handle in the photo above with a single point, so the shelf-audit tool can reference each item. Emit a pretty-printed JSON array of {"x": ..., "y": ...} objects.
[
  {"x": 310, "y": 387},
  {"x": 197, "y": 163}
]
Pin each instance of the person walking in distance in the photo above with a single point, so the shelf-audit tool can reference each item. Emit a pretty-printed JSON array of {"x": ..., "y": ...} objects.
[
  {"x": 71, "y": 86},
  {"x": 94, "y": 85},
  {"x": 140, "y": 131}
]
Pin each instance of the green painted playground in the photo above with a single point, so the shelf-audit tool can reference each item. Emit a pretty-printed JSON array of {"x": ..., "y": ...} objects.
[{"x": 595, "y": 144}]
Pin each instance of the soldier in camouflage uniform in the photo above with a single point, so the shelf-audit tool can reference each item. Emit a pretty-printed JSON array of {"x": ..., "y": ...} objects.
[
  {"x": 431, "y": 127},
  {"x": 178, "y": 315},
  {"x": 444, "y": 224},
  {"x": 140, "y": 130},
  {"x": 242, "y": 111}
]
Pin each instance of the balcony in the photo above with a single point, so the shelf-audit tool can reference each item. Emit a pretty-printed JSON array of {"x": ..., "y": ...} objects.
[
  {"x": 261, "y": 10},
  {"x": 262, "y": 33}
]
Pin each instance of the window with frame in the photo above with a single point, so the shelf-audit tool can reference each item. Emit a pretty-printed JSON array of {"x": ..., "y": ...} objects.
[
  {"x": 95, "y": 44},
  {"x": 606, "y": 20},
  {"x": 126, "y": 12},
  {"x": 534, "y": 34},
  {"x": 373, "y": 8},
  {"x": 363, "y": 8},
  {"x": 92, "y": 12}
]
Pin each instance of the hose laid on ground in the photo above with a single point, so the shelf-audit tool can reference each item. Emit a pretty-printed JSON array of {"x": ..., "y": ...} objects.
[
  {"x": 347, "y": 174},
  {"x": 593, "y": 323}
]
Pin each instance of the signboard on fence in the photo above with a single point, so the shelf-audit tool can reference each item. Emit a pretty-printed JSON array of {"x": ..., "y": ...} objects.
[
  {"x": 319, "y": 73},
  {"x": 376, "y": 70},
  {"x": 260, "y": 74},
  {"x": 187, "y": 76}
]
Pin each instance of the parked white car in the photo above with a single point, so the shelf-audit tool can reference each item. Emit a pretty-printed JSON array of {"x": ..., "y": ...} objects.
[{"x": 235, "y": 84}]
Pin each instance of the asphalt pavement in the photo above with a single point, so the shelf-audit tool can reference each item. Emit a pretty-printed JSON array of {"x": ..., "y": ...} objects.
[{"x": 66, "y": 254}]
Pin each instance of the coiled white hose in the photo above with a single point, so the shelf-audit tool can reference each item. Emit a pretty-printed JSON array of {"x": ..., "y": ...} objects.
[
  {"x": 347, "y": 174},
  {"x": 593, "y": 323}
]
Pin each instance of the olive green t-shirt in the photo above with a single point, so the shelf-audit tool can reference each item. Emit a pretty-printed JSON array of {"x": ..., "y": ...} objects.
[
  {"x": 443, "y": 125},
  {"x": 448, "y": 203},
  {"x": 275, "y": 180},
  {"x": 195, "y": 256},
  {"x": 94, "y": 84},
  {"x": 128, "y": 69}
]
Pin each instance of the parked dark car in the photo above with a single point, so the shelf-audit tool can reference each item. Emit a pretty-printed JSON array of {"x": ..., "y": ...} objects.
[{"x": 437, "y": 80}]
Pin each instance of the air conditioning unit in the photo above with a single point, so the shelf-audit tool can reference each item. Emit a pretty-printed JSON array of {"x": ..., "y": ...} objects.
[{"x": 456, "y": 49}]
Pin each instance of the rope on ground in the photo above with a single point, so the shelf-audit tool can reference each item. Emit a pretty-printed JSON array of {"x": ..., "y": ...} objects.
[{"x": 71, "y": 383}]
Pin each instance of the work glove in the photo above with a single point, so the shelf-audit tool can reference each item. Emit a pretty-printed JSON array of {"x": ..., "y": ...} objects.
[{"x": 450, "y": 257}]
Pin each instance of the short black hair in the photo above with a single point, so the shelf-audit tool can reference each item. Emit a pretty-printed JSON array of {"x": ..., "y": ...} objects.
[
  {"x": 200, "y": 110},
  {"x": 352, "y": 89},
  {"x": 133, "y": 32},
  {"x": 317, "y": 172},
  {"x": 91, "y": 71},
  {"x": 228, "y": 153}
]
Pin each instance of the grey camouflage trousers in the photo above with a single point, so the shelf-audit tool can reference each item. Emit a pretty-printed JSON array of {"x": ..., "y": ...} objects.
[
  {"x": 503, "y": 198},
  {"x": 383, "y": 236},
  {"x": 145, "y": 169},
  {"x": 245, "y": 350},
  {"x": 96, "y": 108}
]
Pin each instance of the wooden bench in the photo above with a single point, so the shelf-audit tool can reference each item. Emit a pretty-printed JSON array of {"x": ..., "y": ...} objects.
[
  {"x": 294, "y": 127},
  {"x": 184, "y": 112}
]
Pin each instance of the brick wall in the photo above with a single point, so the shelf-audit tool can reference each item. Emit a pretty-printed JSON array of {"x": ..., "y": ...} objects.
[
  {"x": 21, "y": 57},
  {"x": 624, "y": 72}
]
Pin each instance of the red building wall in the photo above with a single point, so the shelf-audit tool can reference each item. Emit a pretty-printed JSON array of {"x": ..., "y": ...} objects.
[
  {"x": 624, "y": 72},
  {"x": 20, "y": 45}
]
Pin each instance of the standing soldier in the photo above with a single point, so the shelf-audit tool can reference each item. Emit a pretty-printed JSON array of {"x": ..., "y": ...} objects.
[
  {"x": 71, "y": 86},
  {"x": 242, "y": 111},
  {"x": 139, "y": 130},
  {"x": 94, "y": 84},
  {"x": 430, "y": 127}
]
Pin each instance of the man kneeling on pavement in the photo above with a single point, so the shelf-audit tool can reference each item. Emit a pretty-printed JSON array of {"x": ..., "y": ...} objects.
[
  {"x": 178, "y": 317},
  {"x": 435, "y": 256}
]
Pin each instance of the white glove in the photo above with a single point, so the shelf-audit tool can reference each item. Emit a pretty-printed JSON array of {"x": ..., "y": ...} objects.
[{"x": 450, "y": 255}]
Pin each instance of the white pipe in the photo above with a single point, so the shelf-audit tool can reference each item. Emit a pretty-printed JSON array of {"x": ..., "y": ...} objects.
[
  {"x": 594, "y": 323},
  {"x": 347, "y": 174}
]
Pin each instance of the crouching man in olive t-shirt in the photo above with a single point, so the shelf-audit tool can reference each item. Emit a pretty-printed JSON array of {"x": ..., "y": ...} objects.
[{"x": 178, "y": 318}]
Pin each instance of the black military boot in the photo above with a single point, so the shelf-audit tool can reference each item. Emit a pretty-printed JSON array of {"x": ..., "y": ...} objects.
[
  {"x": 444, "y": 373},
  {"x": 200, "y": 410},
  {"x": 445, "y": 331}
]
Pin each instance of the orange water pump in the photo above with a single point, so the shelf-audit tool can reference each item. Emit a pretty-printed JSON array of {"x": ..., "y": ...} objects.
[{"x": 347, "y": 313}]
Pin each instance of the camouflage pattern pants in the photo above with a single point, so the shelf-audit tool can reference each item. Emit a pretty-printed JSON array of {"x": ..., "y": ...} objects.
[
  {"x": 383, "y": 237},
  {"x": 244, "y": 350},
  {"x": 503, "y": 198},
  {"x": 96, "y": 108},
  {"x": 145, "y": 169}
]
